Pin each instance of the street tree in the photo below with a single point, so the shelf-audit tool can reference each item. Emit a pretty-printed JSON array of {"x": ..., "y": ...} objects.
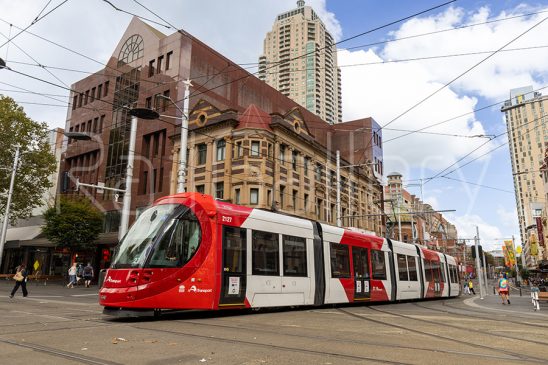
[
  {"x": 36, "y": 163},
  {"x": 73, "y": 223}
]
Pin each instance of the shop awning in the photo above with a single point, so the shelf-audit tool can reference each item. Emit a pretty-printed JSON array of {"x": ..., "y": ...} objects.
[{"x": 23, "y": 233}]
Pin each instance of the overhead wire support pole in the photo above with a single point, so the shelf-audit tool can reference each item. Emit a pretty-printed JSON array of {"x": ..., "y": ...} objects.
[
  {"x": 181, "y": 174},
  {"x": 339, "y": 221},
  {"x": 8, "y": 202},
  {"x": 478, "y": 265},
  {"x": 126, "y": 207}
]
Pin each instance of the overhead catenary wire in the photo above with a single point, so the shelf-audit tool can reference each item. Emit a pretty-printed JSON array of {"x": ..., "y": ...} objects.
[
  {"x": 36, "y": 20},
  {"x": 445, "y": 85}
]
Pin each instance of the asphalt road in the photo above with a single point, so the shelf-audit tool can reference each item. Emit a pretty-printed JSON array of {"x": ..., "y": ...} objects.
[{"x": 56, "y": 325}]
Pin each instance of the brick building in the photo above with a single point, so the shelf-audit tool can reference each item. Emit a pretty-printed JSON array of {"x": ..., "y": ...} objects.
[{"x": 248, "y": 143}]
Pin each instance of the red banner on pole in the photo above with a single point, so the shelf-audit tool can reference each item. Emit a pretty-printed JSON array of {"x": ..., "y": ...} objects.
[{"x": 540, "y": 231}]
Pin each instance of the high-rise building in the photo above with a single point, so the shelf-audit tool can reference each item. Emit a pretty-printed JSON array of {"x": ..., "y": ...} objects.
[
  {"x": 300, "y": 60},
  {"x": 526, "y": 122}
]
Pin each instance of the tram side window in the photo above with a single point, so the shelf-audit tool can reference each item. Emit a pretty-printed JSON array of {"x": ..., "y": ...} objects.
[
  {"x": 428, "y": 270},
  {"x": 412, "y": 264},
  {"x": 379, "y": 265},
  {"x": 361, "y": 262},
  {"x": 234, "y": 250},
  {"x": 452, "y": 273},
  {"x": 179, "y": 243},
  {"x": 402, "y": 268},
  {"x": 436, "y": 271},
  {"x": 265, "y": 257},
  {"x": 443, "y": 273},
  {"x": 455, "y": 274},
  {"x": 294, "y": 256},
  {"x": 340, "y": 261}
]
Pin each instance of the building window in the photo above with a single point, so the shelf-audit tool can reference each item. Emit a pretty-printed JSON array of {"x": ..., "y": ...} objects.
[
  {"x": 148, "y": 102},
  {"x": 282, "y": 194},
  {"x": 99, "y": 91},
  {"x": 151, "y": 68},
  {"x": 160, "y": 61},
  {"x": 319, "y": 169},
  {"x": 281, "y": 157},
  {"x": 200, "y": 189},
  {"x": 269, "y": 150},
  {"x": 253, "y": 196},
  {"x": 107, "y": 83},
  {"x": 269, "y": 197},
  {"x": 255, "y": 148},
  {"x": 219, "y": 190},
  {"x": 340, "y": 261},
  {"x": 306, "y": 163},
  {"x": 265, "y": 253},
  {"x": 165, "y": 100},
  {"x": 294, "y": 157},
  {"x": 221, "y": 147},
  {"x": 238, "y": 150},
  {"x": 305, "y": 202},
  {"x": 168, "y": 60},
  {"x": 294, "y": 196},
  {"x": 202, "y": 153},
  {"x": 294, "y": 254},
  {"x": 237, "y": 196}
]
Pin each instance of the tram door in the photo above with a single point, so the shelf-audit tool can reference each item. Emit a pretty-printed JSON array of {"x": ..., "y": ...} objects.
[
  {"x": 361, "y": 273},
  {"x": 234, "y": 269}
]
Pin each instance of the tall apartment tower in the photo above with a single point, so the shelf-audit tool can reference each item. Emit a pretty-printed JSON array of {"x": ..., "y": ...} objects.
[
  {"x": 527, "y": 125},
  {"x": 300, "y": 60}
]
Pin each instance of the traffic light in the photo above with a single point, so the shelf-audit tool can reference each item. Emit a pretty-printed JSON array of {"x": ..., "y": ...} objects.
[
  {"x": 106, "y": 255},
  {"x": 480, "y": 252}
]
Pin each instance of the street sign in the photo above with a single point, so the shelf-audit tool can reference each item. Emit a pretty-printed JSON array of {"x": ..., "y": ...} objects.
[
  {"x": 99, "y": 186},
  {"x": 36, "y": 265}
]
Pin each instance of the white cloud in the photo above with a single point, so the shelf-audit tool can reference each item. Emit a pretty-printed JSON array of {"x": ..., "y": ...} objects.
[
  {"x": 388, "y": 90},
  {"x": 466, "y": 228},
  {"x": 508, "y": 218},
  {"x": 500, "y": 73}
]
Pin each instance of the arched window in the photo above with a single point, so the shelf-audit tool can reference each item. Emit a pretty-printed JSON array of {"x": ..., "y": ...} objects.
[{"x": 132, "y": 50}]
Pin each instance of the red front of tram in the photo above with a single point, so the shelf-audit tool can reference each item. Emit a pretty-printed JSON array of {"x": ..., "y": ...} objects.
[{"x": 167, "y": 259}]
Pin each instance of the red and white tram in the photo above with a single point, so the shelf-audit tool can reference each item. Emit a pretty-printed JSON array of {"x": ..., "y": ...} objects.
[{"x": 189, "y": 251}]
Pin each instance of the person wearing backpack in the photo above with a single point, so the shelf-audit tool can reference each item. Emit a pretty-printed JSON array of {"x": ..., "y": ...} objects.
[
  {"x": 20, "y": 278},
  {"x": 504, "y": 289},
  {"x": 88, "y": 274}
]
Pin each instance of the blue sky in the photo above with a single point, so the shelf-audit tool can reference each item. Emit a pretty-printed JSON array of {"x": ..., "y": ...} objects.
[{"x": 236, "y": 29}]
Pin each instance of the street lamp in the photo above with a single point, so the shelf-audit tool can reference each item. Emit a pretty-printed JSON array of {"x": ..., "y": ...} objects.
[{"x": 135, "y": 113}]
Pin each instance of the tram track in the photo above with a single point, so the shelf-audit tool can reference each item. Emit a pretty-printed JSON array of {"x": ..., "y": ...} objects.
[
  {"x": 274, "y": 347},
  {"x": 467, "y": 312},
  {"x": 59, "y": 353},
  {"x": 515, "y": 355},
  {"x": 358, "y": 342},
  {"x": 461, "y": 328}
]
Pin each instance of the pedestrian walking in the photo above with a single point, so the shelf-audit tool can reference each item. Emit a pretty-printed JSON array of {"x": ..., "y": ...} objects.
[
  {"x": 72, "y": 276},
  {"x": 504, "y": 289},
  {"x": 471, "y": 287},
  {"x": 466, "y": 289},
  {"x": 20, "y": 278},
  {"x": 88, "y": 274}
]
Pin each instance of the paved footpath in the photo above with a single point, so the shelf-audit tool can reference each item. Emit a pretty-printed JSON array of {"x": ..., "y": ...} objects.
[{"x": 57, "y": 325}]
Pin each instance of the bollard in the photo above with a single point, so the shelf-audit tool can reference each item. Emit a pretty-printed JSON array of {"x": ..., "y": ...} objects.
[
  {"x": 520, "y": 291},
  {"x": 494, "y": 291}
]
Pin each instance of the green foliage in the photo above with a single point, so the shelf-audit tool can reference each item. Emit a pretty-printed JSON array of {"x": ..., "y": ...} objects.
[
  {"x": 36, "y": 163},
  {"x": 525, "y": 274},
  {"x": 73, "y": 223}
]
